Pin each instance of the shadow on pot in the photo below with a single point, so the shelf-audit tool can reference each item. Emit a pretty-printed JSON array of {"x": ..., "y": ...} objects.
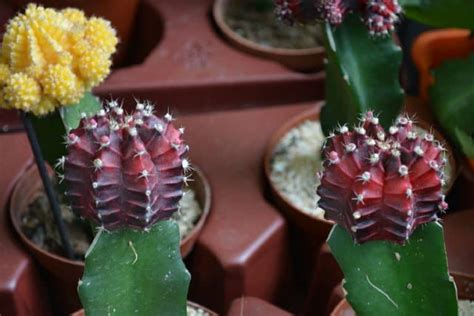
[{"x": 63, "y": 274}]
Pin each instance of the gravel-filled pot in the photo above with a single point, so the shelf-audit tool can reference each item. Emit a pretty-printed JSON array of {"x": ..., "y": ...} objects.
[
  {"x": 63, "y": 273},
  {"x": 228, "y": 15}
]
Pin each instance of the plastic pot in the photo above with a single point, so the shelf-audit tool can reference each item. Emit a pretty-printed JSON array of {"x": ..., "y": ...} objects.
[{"x": 430, "y": 50}]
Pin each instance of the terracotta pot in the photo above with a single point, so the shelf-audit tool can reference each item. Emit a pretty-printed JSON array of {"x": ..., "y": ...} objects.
[
  {"x": 318, "y": 228},
  {"x": 191, "y": 304},
  {"x": 121, "y": 16},
  {"x": 63, "y": 273},
  {"x": 431, "y": 49},
  {"x": 298, "y": 59}
]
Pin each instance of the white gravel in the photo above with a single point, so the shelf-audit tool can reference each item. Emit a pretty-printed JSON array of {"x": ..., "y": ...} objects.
[
  {"x": 192, "y": 311},
  {"x": 189, "y": 214},
  {"x": 466, "y": 308},
  {"x": 295, "y": 162}
]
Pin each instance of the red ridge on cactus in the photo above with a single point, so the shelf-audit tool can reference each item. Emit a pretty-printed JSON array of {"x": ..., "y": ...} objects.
[
  {"x": 125, "y": 170},
  {"x": 380, "y": 16},
  {"x": 382, "y": 186}
]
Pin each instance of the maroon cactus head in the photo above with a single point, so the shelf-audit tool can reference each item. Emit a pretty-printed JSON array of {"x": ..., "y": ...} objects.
[
  {"x": 125, "y": 170},
  {"x": 382, "y": 186},
  {"x": 301, "y": 11},
  {"x": 380, "y": 16}
]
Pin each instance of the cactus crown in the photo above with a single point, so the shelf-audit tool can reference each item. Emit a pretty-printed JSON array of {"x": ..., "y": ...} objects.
[
  {"x": 380, "y": 16},
  {"x": 382, "y": 186},
  {"x": 125, "y": 170}
]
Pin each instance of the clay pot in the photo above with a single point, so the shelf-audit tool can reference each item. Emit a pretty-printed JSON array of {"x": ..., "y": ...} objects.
[
  {"x": 121, "y": 16},
  {"x": 63, "y": 273},
  {"x": 318, "y": 228},
  {"x": 298, "y": 59},
  {"x": 431, "y": 49},
  {"x": 191, "y": 304}
]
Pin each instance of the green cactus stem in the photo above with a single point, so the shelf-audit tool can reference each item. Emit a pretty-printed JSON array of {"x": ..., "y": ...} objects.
[
  {"x": 132, "y": 272},
  {"x": 385, "y": 278},
  {"x": 362, "y": 74},
  {"x": 50, "y": 129}
]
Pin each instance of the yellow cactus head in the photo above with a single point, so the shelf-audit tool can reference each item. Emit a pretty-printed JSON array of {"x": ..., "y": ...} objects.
[{"x": 50, "y": 58}]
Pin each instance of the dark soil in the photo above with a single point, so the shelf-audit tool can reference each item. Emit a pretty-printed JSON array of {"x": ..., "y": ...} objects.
[
  {"x": 39, "y": 226},
  {"x": 258, "y": 23}
]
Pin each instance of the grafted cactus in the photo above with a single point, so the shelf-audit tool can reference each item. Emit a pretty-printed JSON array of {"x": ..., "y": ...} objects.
[
  {"x": 383, "y": 190},
  {"x": 380, "y": 16},
  {"x": 125, "y": 173},
  {"x": 382, "y": 185},
  {"x": 125, "y": 170}
]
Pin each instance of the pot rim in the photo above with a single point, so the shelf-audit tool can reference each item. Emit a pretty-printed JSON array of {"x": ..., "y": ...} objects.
[
  {"x": 189, "y": 303},
  {"x": 218, "y": 10},
  {"x": 30, "y": 169}
]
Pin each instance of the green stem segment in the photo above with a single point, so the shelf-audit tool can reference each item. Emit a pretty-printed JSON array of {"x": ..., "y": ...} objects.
[
  {"x": 51, "y": 129},
  {"x": 130, "y": 272},
  {"x": 362, "y": 74},
  {"x": 383, "y": 278}
]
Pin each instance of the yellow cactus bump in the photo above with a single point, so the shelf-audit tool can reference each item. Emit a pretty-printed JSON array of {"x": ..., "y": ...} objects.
[{"x": 50, "y": 58}]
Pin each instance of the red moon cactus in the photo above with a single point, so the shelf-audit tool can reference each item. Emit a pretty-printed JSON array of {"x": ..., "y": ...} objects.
[
  {"x": 382, "y": 186},
  {"x": 125, "y": 170},
  {"x": 380, "y": 16}
]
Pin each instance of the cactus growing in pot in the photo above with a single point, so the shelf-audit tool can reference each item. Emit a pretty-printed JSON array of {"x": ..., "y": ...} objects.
[
  {"x": 383, "y": 190},
  {"x": 125, "y": 174}
]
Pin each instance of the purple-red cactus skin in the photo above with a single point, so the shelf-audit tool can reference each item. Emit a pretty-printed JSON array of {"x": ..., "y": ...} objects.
[
  {"x": 380, "y": 16},
  {"x": 125, "y": 170},
  {"x": 301, "y": 11},
  {"x": 382, "y": 186}
]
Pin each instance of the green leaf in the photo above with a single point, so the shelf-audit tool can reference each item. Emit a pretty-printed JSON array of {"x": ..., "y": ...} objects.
[
  {"x": 52, "y": 128},
  {"x": 467, "y": 143},
  {"x": 362, "y": 74},
  {"x": 384, "y": 278},
  {"x": 131, "y": 272},
  {"x": 452, "y": 98},
  {"x": 441, "y": 13}
]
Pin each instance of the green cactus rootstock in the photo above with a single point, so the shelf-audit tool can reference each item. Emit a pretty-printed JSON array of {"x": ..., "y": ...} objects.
[
  {"x": 452, "y": 99},
  {"x": 131, "y": 272},
  {"x": 52, "y": 128},
  {"x": 362, "y": 74},
  {"x": 384, "y": 278}
]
